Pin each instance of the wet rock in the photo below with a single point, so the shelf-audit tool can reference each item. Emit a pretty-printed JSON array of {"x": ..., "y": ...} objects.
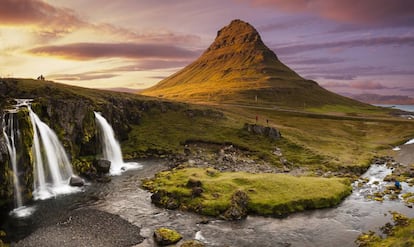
[
  {"x": 238, "y": 207},
  {"x": 164, "y": 199},
  {"x": 102, "y": 166},
  {"x": 204, "y": 221},
  {"x": 165, "y": 236},
  {"x": 76, "y": 181},
  {"x": 192, "y": 243}
]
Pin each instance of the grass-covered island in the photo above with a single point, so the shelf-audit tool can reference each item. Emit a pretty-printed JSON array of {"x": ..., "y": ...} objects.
[{"x": 233, "y": 195}]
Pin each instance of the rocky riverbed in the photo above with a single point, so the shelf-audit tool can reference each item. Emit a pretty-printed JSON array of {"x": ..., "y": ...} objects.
[{"x": 121, "y": 213}]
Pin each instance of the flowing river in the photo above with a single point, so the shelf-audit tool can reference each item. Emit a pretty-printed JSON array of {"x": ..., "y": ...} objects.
[{"x": 122, "y": 196}]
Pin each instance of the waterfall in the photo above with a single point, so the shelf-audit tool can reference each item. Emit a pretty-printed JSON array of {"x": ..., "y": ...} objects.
[
  {"x": 52, "y": 169},
  {"x": 10, "y": 134},
  {"x": 111, "y": 148}
]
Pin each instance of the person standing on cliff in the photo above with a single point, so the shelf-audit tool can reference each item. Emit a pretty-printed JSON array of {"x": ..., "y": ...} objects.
[{"x": 257, "y": 119}]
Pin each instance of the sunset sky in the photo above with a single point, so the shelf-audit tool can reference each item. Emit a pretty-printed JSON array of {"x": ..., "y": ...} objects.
[{"x": 347, "y": 46}]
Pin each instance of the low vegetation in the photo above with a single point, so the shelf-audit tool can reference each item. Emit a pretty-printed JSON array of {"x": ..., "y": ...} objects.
[{"x": 210, "y": 192}]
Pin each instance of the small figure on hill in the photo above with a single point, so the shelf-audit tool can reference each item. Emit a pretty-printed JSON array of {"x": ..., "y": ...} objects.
[
  {"x": 267, "y": 122},
  {"x": 397, "y": 184},
  {"x": 257, "y": 119},
  {"x": 41, "y": 77}
]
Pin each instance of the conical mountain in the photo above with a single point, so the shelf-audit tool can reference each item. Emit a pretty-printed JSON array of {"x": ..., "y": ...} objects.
[{"x": 239, "y": 68}]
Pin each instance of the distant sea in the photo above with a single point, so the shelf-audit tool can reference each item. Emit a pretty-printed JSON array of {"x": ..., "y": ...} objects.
[{"x": 409, "y": 108}]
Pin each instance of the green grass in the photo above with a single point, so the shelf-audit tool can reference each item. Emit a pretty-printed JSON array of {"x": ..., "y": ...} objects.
[
  {"x": 167, "y": 132},
  {"x": 345, "y": 141},
  {"x": 269, "y": 194}
]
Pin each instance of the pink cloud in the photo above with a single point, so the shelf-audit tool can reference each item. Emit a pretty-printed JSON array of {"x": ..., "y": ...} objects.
[
  {"x": 38, "y": 13},
  {"x": 349, "y": 11}
]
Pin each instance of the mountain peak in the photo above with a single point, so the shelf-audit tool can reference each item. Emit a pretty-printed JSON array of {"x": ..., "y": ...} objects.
[
  {"x": 238, "y": 34},
  {"x": 239, "y": 68}
]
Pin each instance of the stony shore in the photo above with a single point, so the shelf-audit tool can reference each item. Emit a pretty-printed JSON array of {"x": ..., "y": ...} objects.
[{"x": 85, "y": 227}]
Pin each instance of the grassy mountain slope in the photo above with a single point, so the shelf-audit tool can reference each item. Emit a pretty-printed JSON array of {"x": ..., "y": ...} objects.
[{"x": 239, "y": 68}]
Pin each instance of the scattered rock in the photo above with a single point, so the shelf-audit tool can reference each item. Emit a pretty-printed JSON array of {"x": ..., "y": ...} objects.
[
  {"x": 76, "y": 181},
  {"x": 102, "y": 166},
  {"x": 165, "y": 236},
  {"x": 187, "y": 151}
]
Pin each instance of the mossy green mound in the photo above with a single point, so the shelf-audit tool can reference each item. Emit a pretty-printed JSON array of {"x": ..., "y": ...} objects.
[
  {"x": 268, "y": 194},
  {"x": 165, "y": 236}
]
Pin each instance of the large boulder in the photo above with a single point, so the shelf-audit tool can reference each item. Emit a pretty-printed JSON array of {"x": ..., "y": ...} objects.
[
  {"x": 165, "y": 236},
  {"x": 102, "y": 166},
  {"x": 76, "y": 181}
]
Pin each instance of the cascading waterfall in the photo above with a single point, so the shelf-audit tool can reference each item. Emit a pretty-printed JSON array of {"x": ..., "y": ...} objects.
[
  {"x": 11, "y": 135},
  {"x": 111, "y": 148},
  {"x": 52, "y": 169}
]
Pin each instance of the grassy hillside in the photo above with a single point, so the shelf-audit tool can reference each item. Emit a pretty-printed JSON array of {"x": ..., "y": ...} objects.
[{"x": 319, "y": 141}]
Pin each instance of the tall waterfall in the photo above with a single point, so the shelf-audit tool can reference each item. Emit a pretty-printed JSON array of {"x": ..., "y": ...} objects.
[
  {"x": 11, "y": 135},
  {"x": 52, "y": 169},
  {"x": 111, "y": 148}
]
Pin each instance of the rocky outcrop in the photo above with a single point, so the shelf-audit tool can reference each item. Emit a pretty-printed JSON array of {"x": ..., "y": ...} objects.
[{"x": 270, "y": 132}]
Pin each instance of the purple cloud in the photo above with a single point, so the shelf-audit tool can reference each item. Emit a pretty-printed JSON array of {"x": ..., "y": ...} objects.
[
  {"x": 89, "y": 51},
  {"x": 293, "y": 49},
  {"x": 362, "y": 85},
  {"x": 312, "y": 61}
]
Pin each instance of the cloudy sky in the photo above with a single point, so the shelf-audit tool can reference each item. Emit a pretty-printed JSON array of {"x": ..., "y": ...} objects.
[{"x": 348, "y": 46}]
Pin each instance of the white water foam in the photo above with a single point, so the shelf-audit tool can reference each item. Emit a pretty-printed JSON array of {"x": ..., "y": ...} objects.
[
  {"x": 22, "y": 211},
  {"x": 409, "y": 142}
]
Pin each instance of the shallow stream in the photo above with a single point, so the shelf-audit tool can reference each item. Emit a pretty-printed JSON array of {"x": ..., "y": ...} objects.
[{"x": 122, "y": 196}]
